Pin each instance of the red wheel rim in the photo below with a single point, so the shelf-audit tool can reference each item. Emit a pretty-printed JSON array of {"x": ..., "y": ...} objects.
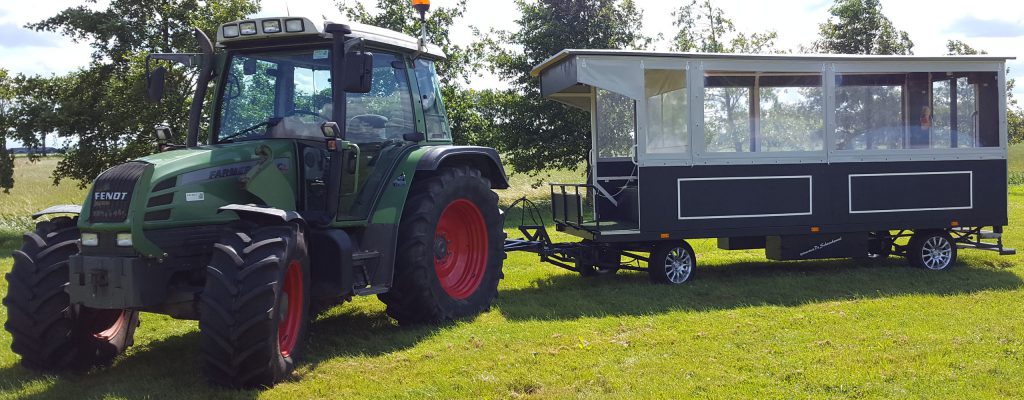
[
  {"x": 291, "y": 304},
  {"x": 460, "y": 248},
  {"x": 107, "y": 324}
]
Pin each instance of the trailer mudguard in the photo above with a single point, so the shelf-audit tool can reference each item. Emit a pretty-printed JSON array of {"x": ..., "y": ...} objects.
[{"x": 484, "y": 159}]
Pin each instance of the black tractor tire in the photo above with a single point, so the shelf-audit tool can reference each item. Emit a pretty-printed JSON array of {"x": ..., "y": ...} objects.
[
  {"x": 251, "y": 330},
  {"x": 932, "y": 250},
  {"x": 451, "y": 231},
  {"x": 49, "y": 333},
  {"x": 672, "y": 263}
]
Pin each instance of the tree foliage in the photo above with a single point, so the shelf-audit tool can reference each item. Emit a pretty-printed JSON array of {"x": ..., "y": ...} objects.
[
  {"x": 6, "y": 158},
  {"x": 102, "y": 105},
  {"x": 860, "y": 27},
  {"x": 534, "y": 133},
  {"x": 704, "y": 28}
]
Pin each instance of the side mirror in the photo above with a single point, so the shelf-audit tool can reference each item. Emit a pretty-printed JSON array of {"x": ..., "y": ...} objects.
[
  {"x": 249, "y": 67},
  {"x": 155, "y": 84},
  {"x": 163, "y": 133},
  {"x": 358, "y": 72},
  {"x": 330, "y": 129}
]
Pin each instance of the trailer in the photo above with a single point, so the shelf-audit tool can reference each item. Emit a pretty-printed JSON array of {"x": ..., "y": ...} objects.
[{"x": 804, "y": 156}]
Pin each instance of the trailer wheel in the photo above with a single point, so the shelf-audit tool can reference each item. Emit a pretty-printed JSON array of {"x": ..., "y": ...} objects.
[
  {"x": 671, "y": 263},
  {"x": 450, "y": 249},
  {"x": 933, "y": 250},
  {"x": 48, "y": 332},
  {"x": 255, "y": 305}
]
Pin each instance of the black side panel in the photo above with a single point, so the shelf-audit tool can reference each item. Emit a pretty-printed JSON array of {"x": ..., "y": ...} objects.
[
  {"x": 717, "y": 198},
  {"x": 764, "y": 200},
  {"x": 944, "y": 190},
  {"x": 112, "y": 192},
  {"x": 485, "y": 159},
  {"x": 812, "y": 247}
]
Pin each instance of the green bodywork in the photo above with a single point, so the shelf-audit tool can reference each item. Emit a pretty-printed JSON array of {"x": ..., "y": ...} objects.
[{"x": 274, "y": 185}]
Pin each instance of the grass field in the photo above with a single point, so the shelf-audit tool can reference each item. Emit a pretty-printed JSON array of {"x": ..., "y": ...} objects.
[{"x": 743, "y": 328}]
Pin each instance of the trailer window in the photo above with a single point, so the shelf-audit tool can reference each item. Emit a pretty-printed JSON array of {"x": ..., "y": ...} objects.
[
  {"x": 667, "y": 111},
  {"x": 616, "y": 125},
  {"x": 917, "y": 110},
  {"x": 756, "y": 112}
]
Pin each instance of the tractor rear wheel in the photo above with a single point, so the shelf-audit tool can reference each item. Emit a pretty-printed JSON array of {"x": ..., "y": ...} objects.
[
  {"x": 255, "y": 305},
  {"x": 48, "y": 332},
  {"x": 450, "y": 249}
]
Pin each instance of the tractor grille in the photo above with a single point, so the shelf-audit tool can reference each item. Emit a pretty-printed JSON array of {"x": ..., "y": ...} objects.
[{"x": 112, "y": 192}]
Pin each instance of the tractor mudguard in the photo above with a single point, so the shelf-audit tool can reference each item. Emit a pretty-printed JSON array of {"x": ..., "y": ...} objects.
[
  {"x": 484, "y": 159},
  {"x": 262, "y": 214},
  {"x": 61, "y": 209}
]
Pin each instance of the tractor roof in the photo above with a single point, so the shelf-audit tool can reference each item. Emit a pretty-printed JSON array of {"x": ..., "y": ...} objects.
[{"x": 261, "y": 30}]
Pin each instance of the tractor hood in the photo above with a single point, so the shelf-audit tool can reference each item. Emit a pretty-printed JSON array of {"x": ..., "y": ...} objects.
[{"x": 187, "y": 187}]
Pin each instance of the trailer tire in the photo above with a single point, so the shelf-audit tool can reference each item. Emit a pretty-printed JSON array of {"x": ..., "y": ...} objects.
[
  {"x": 48, "y": 332},
  {"x": 933, "y": 250},
  {"x": 671, "y": 263},
  {"x": 251, "y": 328},
  {"x": 450, "y": 249}
]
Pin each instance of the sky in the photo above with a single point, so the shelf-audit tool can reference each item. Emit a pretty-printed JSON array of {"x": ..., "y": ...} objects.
[{"x": 993, "y": 25}]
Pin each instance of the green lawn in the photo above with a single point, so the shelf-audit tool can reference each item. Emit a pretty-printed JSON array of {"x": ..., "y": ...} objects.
[{"x": 743, "y": 328}]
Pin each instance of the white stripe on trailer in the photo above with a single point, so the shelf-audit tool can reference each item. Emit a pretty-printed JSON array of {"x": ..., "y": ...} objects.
[
  {"x": 810, "y": 196},
  {"x": 849, "y": 192}
]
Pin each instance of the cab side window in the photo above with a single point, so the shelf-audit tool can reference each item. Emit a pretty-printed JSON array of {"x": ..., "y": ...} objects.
[
  {"x": 386, "y": 111},
  {"x": 430, "y": 99}
]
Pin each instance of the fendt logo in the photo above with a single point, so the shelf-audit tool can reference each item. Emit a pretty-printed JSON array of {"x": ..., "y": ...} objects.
[{"x": 116, "y": 196}]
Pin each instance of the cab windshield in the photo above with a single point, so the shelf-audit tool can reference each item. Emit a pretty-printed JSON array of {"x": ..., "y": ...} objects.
[{"x": 287, "y": 94}]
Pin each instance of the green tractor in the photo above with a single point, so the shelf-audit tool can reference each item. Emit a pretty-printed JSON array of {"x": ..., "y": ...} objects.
[{"x": 328, "y": 173}]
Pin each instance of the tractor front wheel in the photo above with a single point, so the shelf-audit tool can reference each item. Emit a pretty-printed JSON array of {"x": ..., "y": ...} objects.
[
  {"x": 255, "y": 305},
  {"x": 450, "y": 249},
  {"x": 48, "y": 332}
]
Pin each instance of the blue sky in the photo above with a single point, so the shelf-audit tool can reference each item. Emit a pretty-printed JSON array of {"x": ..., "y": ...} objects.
[{"x": 993, "y": 25}]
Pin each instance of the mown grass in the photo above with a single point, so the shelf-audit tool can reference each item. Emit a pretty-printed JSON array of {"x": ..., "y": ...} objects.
[{"x": 743, "y": 328}]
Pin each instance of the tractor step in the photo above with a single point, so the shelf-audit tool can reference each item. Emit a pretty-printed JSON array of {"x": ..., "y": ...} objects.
[
  {"x": 365, "y": 255},
  {"x": 372, "y": 290}
]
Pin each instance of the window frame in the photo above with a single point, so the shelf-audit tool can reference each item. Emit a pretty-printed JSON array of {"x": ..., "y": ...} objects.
[{"x": 704, "y": 157}]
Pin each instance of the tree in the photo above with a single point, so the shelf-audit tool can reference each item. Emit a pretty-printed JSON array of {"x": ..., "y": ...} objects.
[
  {"x": 860, "y": 27},
  {"x": 6, "y": 158},
  {"x": 533, "y": 133},
  {"x": 454, "y": 72},
  {"x": 103, "y": 104},
  {"x": 1014, "y": 114},
  {"x": 704, "y": 28}
]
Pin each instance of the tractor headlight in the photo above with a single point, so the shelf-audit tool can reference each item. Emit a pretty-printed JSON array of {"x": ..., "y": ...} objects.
[
  {"x": 272, "y": 26},
  {"x": 230, "y": 31},
  {"x": 124, "y": 239},
  {"x": 293, "y": 25},
  {"x": 90, "y": 239},
  {"x": 247, "y": 28}
]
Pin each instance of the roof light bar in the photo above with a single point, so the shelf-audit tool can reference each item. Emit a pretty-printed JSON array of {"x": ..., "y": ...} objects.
[
  {"x": 271, "y": 26},
  {"x": 294, "y": 25},
  {"x": 247, "y": 28},
  {"x": 230, "y": 31}
]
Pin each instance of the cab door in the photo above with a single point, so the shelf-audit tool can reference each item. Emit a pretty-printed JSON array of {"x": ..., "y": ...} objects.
[{"x": 378, "y": 122}]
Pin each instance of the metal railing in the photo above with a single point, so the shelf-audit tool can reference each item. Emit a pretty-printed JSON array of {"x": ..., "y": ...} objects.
[{"x": 567, "y": 206}]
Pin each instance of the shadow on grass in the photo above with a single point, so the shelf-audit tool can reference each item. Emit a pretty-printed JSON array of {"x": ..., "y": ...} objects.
[
  {"x": 742, "y": 284},
  {"x": 172, "y": 363}
]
